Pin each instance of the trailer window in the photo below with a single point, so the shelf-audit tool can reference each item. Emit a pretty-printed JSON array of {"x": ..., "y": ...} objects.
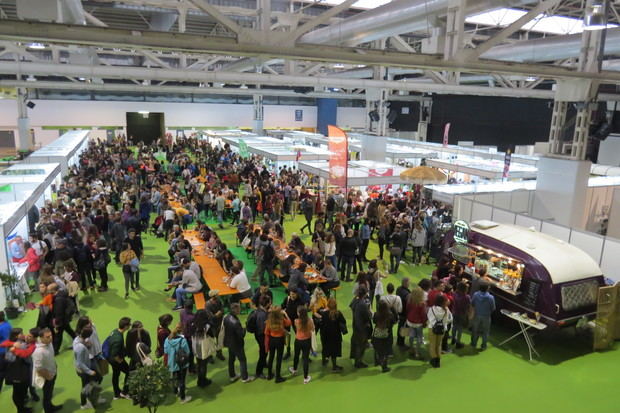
[{"x": 579, "y": 295}]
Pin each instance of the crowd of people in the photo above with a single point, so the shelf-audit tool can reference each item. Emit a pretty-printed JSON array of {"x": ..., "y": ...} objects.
[{"x": 118, "y": 194}]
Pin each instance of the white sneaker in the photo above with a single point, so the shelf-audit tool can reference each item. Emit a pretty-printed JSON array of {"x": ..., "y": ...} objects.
[
  {"x": 249, "y": 379},
  {"x": 125, "y": 396},
  {"x": 187, "y": 399},
  {"x": 234, "y": 379},
  {"x": 87, "y": 406},
  {"x": 292, "y": 371},
  {"x": 307, "y": 379}
]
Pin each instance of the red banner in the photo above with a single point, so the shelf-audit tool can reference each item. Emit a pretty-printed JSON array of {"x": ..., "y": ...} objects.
[
  {"x": 380, "y": 172},
  {"x": 446, "y": 131},
  {"x": 507, "y": 159},
  {"x": 338, "y": 162}
]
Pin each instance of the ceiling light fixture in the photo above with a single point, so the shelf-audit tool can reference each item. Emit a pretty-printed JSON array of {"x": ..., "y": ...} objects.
[
  {"x": 37, "y": 46},
  {"x": 531, "y": 79},
  {"x": 596, "y": 15}
]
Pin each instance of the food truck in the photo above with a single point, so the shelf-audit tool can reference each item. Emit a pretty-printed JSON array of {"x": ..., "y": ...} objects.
[{"x": 529, "y": 271}]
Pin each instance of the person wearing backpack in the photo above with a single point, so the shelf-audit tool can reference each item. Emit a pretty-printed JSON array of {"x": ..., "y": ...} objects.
[
  {"x": 101, "y": 259},
  {"x": 116, "y": 354},
  {"x": 382, "y": 338},
  {"x": 18, "y": 367},
  {"x": 439, "y": 316},
  {"x": 265, "y": 257},
  {"x": 63, "y": 308},
  {"x": 177, "y": 352}
]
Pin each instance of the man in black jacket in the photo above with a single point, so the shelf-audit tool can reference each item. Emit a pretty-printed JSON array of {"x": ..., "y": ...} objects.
[
  {"x": 362, "y": 326},
  {"x": 63, "y": 310},
  {"x": 135, "y": 241},
  {"x": 234, "y": 334},
  {"x": 403, "y": 292},
  {"x": 259, "y": 319},
  {"x": 348, "y": 248}
]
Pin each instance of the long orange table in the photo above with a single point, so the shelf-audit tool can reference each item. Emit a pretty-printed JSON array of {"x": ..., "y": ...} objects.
[{"x": 212, "y": 271}]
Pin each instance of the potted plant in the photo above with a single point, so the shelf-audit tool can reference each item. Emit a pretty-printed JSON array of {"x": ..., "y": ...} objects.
[
  {"x": 149, "y": 385},
  {"x": 9, "y": 283}
]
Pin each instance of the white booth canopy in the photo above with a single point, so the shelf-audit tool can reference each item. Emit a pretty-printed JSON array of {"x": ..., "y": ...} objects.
[
  {"x": 65, "y": 150},
  {"x": 485, "y": 168},
  {"x": 359, "y": 173},
  {"x": 291, "y": 152}
]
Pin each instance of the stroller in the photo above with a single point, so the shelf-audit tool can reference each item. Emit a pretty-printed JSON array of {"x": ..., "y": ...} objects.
[{"x": 157, "y": 228}]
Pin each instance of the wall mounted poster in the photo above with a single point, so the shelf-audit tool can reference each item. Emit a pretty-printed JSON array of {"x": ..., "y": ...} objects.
[{"x": 337, "y": 145}]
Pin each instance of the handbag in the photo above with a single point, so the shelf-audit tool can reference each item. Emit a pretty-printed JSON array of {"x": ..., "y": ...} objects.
[
  {"x": 404, "y": 331},
  {"x": 135, "y": 264},
  {"x": 380, "y": 332},
  {"x": 395, "y": 250},
  {"x": 102, "y": 366},
  {"x": 144, "y": 358}
]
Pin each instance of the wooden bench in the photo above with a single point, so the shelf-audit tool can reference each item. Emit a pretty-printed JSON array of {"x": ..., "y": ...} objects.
[
  {"x": 199, "y": 300},
  {"x": 335, "y": 290}
]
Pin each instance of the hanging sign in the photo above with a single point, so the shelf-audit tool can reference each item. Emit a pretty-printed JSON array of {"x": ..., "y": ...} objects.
[
  {"x": 337, "y": 145},
  {"x": 243, "y": 149},
  {"x": 446, "y": 131},
  {"x": 461, "y": 232},
  {"x": 507, "y": 159}
]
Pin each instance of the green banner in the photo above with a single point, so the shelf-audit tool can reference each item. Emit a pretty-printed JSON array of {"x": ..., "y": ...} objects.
[
  {"x": 243, "y": 149},
  {"x": 6, "y": 188}
]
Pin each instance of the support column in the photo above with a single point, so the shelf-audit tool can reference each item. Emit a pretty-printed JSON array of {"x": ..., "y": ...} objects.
[
  {"x": 455, "y": 25},
  {"x": 257, "y": 126},
  {"x": 23, "y": 123}
]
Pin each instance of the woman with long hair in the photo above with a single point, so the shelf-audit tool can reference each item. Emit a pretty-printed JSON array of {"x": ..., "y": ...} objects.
[
  {"x": 439, "y": 317},
  {"x": 275, "y": 332},
  {"x": 304, "y": 327},
  {"x": 415, "y": 310},
  {"x": 382, "y": 338},
  {"x": 126, "y": 257},
  {"x": 202, "y": 337},
  {"x": 333, "y": 327}
]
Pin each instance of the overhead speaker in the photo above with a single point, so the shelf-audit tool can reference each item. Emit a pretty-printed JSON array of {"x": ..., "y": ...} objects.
[
  {"x": 374, "y": 116},
  {"x": 30, "y": 104}
]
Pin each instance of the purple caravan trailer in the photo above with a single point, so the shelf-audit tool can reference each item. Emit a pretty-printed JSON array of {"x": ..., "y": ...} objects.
[{"x": 534, "y": 272}]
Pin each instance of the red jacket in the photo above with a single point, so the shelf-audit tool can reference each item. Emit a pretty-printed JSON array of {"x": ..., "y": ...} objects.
[
  {"x": 34, "y": 263},
  {"x": 22, "y": 353},
  {"x": 416, "y": 314}
]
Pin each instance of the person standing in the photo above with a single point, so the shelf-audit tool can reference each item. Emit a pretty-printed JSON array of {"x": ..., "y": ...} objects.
[
  {"x": 101, "y": 259},
  {"x": 83, "y": 368},
  {"x": 275, "y": 331},
  {"x": 220, "y": 204},
  {"x": 5, "y": 332},
  {"x": 483, "y": 303},
  {"x": 18, "y": 369},
  {"x": 439, "y": 317},
  {"x": 403, "y": 292},
  {"x": 362, "y": 326},
  {"x": 177, "y": 352},
  {"x": 117, "y": 358},
  {"x": 63, "y": 309},
  {"x": 45, "y": 369},
  {"x": 382, "y": 337},
  {"x": 461, "y": 307},
  {"x": 234, "y": 335},
  {"x": 304, "y": 327},
  {"x": 332, "y": 327},
  {"x": 396, "y": 249},
  {"x": 308, "y": 210},
  {"x": 418, "y": 240},
  {"x": 348, "y": 247},
  {"x": 256, "y": 322},
  {"x": 127, "y": 257},
  {"x": 202, "y": 334},
  {"x": 416, "y": 319},
  {"x": 135, "y": 241}
]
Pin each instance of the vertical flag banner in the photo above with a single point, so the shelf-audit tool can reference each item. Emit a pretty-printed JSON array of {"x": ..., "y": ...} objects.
[
  {"x": 338, "y": 163},
  {"x": 446, "y": 131},
  {"x": 243, "y": 149},
  {"x": 506, "y": 164}
]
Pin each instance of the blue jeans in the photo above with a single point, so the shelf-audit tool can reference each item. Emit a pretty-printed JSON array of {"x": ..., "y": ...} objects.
[
  {"x": 481, "y": 326},
  {"x": 220, "y": 217},
  {"x": 180, "y": 294},
  {"x": 416, "y": 334},
  {"x": 334, "y": 260}
]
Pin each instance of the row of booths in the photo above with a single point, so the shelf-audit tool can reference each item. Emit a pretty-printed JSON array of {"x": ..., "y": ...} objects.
[{"x": 24, "y": 188}]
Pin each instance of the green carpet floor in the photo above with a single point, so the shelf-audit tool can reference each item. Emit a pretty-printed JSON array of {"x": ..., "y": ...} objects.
[{"x": 567, "y": 378}]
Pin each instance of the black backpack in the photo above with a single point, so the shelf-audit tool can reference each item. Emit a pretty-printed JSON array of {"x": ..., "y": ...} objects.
[
  {"x": 181, "y": 358},
  {"x": 250, "y": 324},
  {"x": 268, "y": 253}
]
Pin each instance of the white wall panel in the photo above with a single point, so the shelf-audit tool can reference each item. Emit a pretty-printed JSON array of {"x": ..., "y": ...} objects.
[
  {"x": 520, "y": 201},
  {"x": 480, "y": 212},
  {"x": 503, "y": 217},
  {"x": 502, "y": 200},
  {"x": 590, "y": 244},
  {"x": 610, "y": 259},
  {"x": 528, "y": 222},
  {"x": 556, "y": 231}
]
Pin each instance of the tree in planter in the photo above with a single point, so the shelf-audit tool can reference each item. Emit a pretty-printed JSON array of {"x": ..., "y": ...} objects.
[
  {"x": 9, "y": 283},
  {"x": 149, "y": 385}
]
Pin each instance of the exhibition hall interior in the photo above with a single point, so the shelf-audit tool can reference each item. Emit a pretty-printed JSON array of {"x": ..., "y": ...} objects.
[{"x": 223, "y": 205}]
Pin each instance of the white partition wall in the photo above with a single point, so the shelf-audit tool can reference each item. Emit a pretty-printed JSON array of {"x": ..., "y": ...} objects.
[
  {"x": 610, "y": 259},
  {"x": 555, "y": 230}
]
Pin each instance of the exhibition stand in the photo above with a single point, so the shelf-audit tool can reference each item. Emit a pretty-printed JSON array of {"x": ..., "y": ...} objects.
[{"x": 65, "y": 150}]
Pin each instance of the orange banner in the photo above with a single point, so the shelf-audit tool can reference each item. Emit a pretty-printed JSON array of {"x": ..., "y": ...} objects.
[{"x": 338, "y": 162}]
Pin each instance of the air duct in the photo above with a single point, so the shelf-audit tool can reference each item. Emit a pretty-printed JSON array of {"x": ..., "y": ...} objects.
[
  {"x": 549, "y": 48},
  {"x": 397, "y": 17}
]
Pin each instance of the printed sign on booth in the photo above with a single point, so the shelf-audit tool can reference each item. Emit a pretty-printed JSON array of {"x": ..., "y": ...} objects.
[{"x": 337, "y": 145}]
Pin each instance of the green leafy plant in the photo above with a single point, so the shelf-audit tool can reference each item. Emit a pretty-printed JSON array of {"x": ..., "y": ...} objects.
[
  {"x": 9, "y": 283},
  {"x": 149, "y": 385}
]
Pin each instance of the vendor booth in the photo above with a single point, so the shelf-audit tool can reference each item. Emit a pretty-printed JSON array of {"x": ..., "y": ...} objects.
[
  {"x": 288, "y": 155},
  {"x": 20, "y": 181},
  {"x": 466, "y": 168},
  {"x": 552, "y": 281},
  {"x": 65, "y": 150}
]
